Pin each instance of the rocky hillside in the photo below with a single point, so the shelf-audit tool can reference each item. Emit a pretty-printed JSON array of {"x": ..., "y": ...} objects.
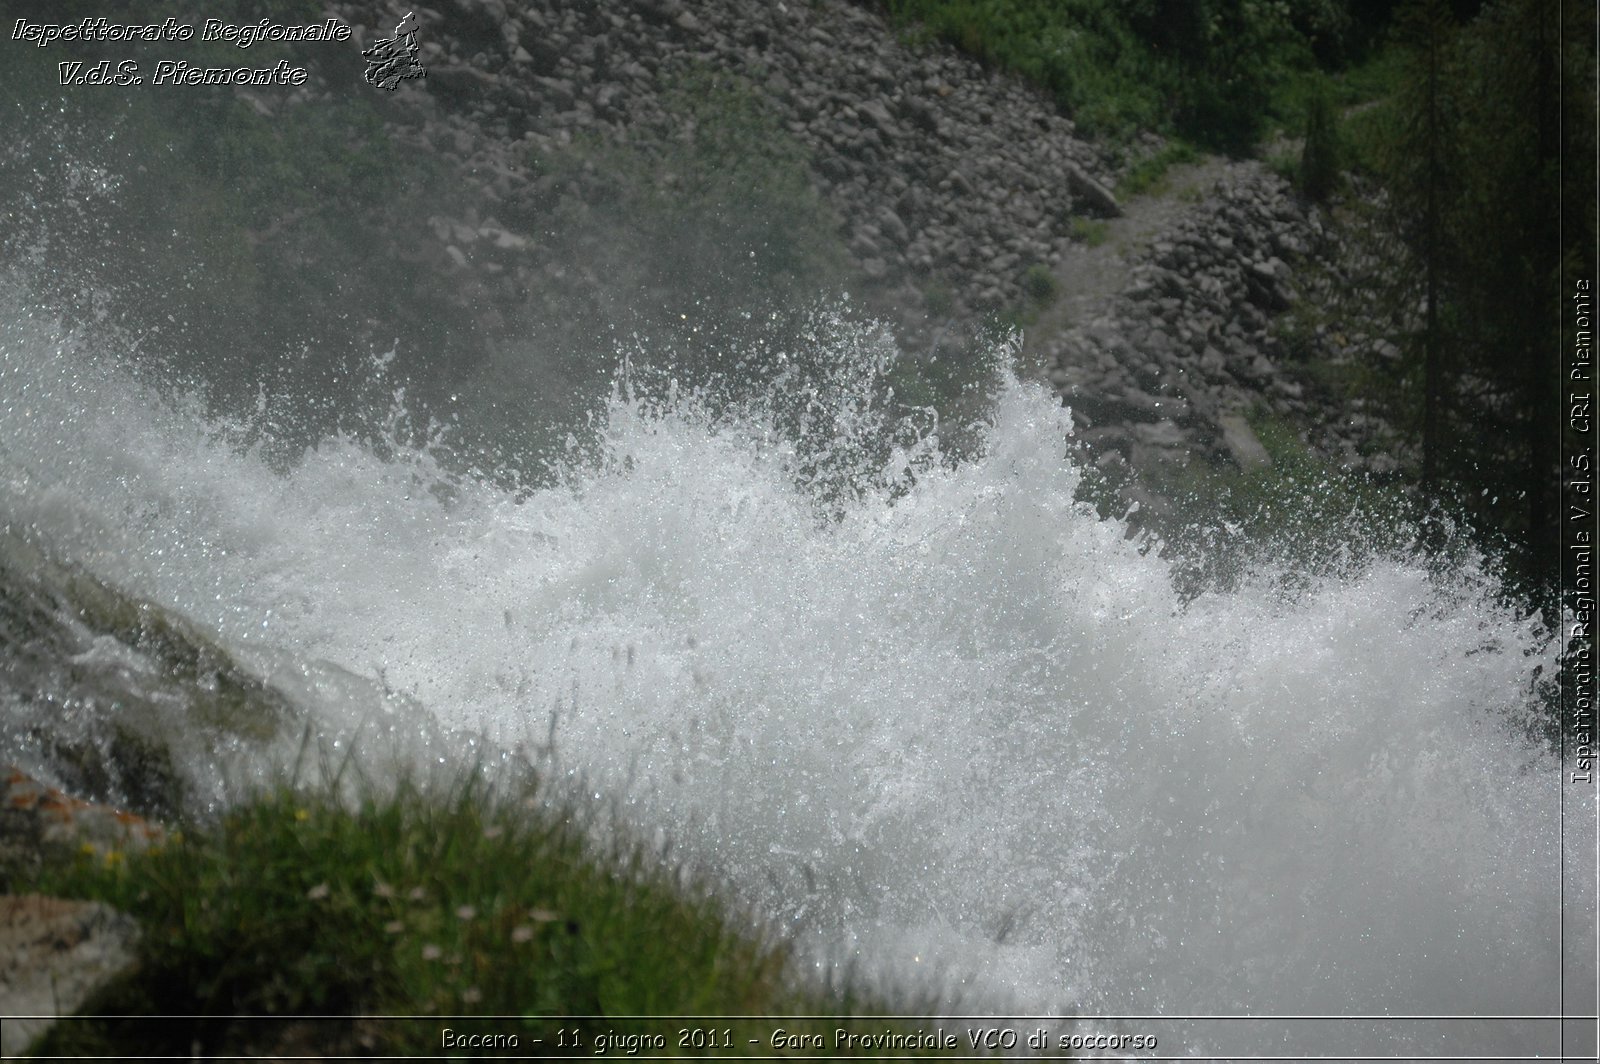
[
  {"x": 949, "y": 196},
  {"x": 1176, "y": 331},
  {"x": 574, "y": 178},
  {"x": 936, "y": 169}
]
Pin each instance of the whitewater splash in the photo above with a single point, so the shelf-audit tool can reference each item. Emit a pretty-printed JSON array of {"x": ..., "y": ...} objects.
[{"x": 932, "y": 716}]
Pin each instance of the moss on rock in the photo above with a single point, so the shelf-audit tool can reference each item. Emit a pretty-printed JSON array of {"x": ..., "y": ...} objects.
[{"x": 100, "y": 687}]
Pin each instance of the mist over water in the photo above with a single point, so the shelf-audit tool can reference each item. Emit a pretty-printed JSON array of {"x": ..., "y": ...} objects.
[{"x": 941, "y": 720}]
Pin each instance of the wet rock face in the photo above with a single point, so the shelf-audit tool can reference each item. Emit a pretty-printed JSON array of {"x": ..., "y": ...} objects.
[{"x": 107, "y": 695}]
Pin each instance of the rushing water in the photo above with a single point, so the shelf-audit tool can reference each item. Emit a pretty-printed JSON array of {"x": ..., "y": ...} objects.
[{"x": 936, "y": 717}]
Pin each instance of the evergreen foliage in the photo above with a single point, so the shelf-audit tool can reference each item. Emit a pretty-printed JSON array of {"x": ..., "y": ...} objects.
[
  {"x": 1473, "y": 157},
  {"x": 1321, "y": 159}
]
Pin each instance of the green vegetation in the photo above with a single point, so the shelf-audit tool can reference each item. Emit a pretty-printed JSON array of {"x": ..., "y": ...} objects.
[
  {"x": 1039, "y": 289},
  {"x": 1211, "y": 71},
  {"x": 1467, "y": 125},
  {"x": 1039, "y": 284},
  {"x": 470, "y": 900},
  {"x": 1147, "y": 176},
  {"x": 1302, "y": 498},
  {"x": 1322, "y": 157},
  {"x": 1285, "y": 165},
  {"x": 1317, "y": 169},
  {"x": 1091, "y": 231},
  {"x": 1364, "y": 101},
  {"x": 1474, "y": 158}
]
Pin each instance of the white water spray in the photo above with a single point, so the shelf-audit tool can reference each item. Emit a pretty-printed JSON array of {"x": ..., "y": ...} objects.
[{"x": 931, "y": 717}]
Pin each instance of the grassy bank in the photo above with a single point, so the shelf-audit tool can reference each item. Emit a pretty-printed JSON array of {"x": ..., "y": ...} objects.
[
  {"x": 489, "y": 910},
  {"x": 488, "y": 895},
  {"x": 1214, "y": 72}
]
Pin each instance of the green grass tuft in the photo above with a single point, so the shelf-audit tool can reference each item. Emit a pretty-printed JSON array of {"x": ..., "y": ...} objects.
[
  {"x": 1148, "y": 176},
  {"x": 478, "y": 901},
  {"x": 1040, "y": 285},
  {"x": 1090, "y": 231}
]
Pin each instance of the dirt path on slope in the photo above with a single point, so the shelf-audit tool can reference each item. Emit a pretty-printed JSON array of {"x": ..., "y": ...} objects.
[{"x": 1088, "y": 277}]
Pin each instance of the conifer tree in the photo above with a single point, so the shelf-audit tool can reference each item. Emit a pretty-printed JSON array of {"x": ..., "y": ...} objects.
[
  {"x": 1496, "y": 120},
  {"x": 1320, "y": 158},
  {"x": 1423, "y": 168}
]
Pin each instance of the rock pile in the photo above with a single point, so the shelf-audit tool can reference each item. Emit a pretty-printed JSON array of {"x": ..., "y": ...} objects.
[
  {"x": 938, "y": 169},
  {"x": 1163, "y": 375},
  {"x": 951, "y": 195},
  {"x": 949, "y": 183}
]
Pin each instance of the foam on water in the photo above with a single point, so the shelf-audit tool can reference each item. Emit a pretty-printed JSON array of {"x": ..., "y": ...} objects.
[{"x": 932, "y": 716}]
